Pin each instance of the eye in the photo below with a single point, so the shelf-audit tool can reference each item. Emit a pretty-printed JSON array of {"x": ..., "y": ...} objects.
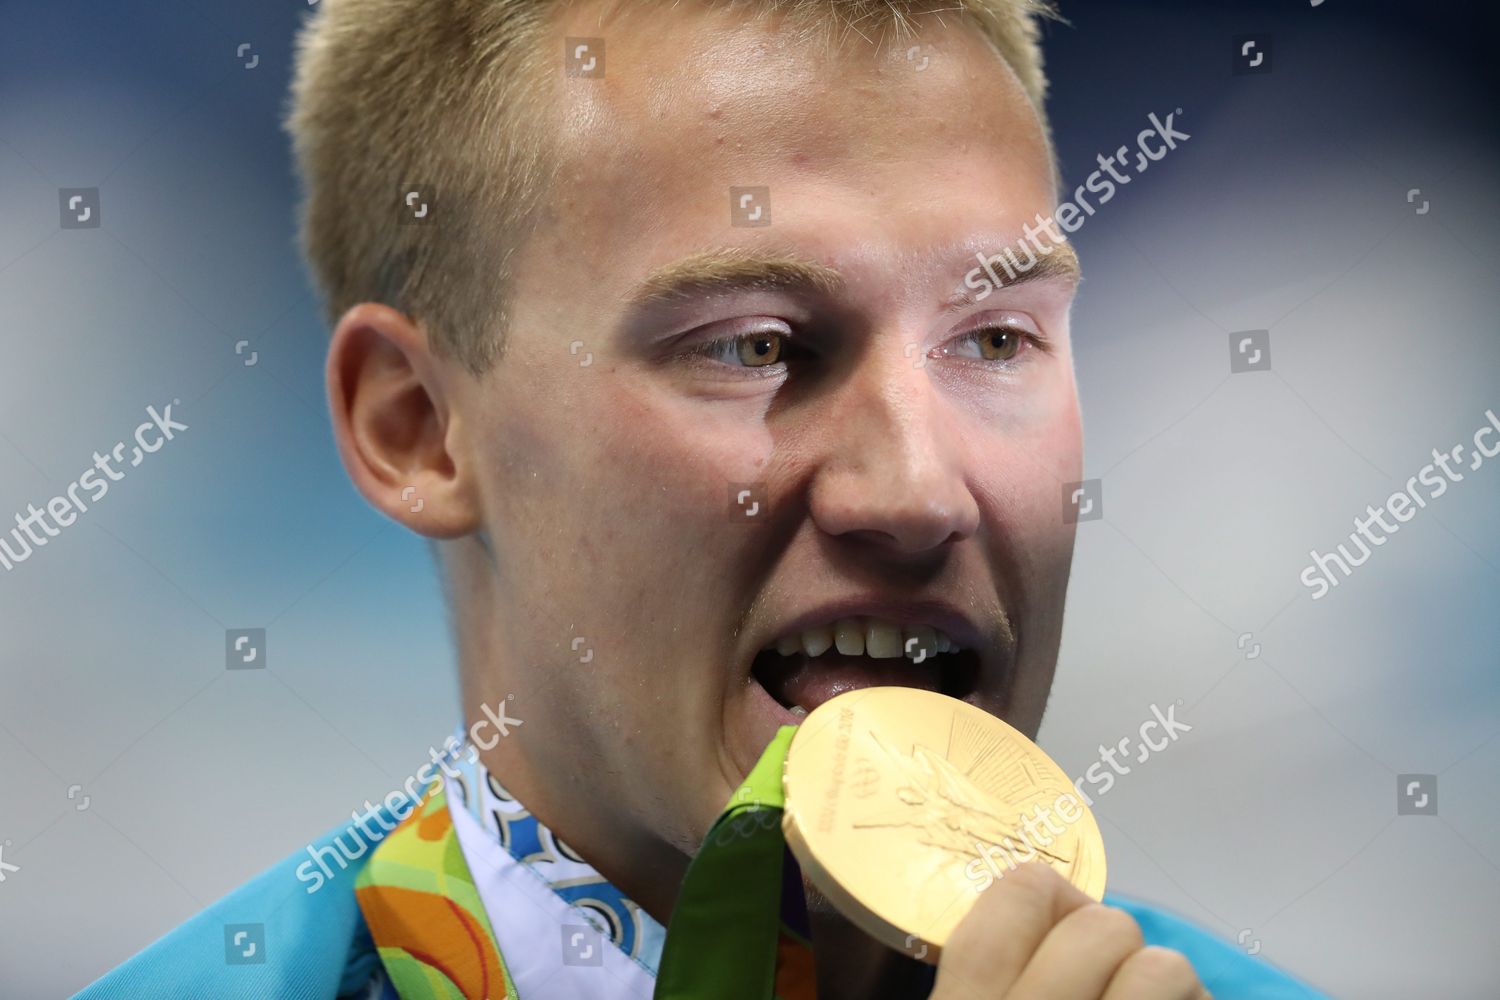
[
  {"x": 758, "y": 349},
  {"x": 1001, "y": 342},
  {"x": 998, "y": 344},
  {"x": 747, "y": 350}
]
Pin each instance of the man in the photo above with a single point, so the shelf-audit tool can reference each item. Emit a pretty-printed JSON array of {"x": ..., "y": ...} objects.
[{"x": 654, "y": 317}]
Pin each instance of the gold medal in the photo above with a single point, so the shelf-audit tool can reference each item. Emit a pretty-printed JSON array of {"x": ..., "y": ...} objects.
[{"x": 902, "y": 805}]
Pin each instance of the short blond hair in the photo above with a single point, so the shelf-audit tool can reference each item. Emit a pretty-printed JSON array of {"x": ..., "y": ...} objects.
[{"x": 452, "y": 98}]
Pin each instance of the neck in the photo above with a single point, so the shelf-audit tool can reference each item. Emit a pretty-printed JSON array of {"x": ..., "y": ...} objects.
[
  {"x": 645, "y": 870},
  {"x": 543, "y": 776}
]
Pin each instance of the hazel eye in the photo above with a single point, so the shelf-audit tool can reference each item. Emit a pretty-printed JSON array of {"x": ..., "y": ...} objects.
[
  {"x": 998, "y": 344},
  {"x": 1004, "y": 342},
  {"x": 757, "y": 350}
]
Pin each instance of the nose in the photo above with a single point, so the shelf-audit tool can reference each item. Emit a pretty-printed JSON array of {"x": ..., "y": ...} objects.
[{"x": 891, "y": 468}]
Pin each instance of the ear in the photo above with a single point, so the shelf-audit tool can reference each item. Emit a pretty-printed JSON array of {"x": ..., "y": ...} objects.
[{"x": 392, "y": 422}]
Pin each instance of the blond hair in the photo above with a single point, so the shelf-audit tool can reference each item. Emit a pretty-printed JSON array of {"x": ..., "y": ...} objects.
[{"x": 451, "y": 98}]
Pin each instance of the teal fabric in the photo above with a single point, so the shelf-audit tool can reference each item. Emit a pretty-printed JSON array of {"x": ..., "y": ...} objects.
[
  {"x": 317, "y": 948},
  {"x": 316, "y": 944},
  {"x": 1225, "y": 971}
]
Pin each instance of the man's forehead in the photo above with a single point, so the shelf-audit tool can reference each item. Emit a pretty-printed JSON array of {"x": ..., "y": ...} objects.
[
  {"x": 858, "y": 148},
  {"x": 685, "y": 80}
]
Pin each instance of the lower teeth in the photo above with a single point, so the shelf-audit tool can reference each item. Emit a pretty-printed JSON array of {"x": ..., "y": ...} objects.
[{"x": 798, "y": 711}]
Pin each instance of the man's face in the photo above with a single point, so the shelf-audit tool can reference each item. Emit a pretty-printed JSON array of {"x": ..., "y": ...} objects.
[{"x": 904, "y": 453}]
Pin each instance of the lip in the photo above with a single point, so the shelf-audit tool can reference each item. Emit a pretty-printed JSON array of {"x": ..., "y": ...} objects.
[
  {"x": 960, "y": 627},
  {"x": 994, "y": 646}
]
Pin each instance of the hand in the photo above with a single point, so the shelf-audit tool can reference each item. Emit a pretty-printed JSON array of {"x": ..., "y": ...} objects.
[{"x": 1033, "y": 936}]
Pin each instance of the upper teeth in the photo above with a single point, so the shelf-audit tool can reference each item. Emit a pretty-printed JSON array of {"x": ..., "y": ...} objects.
[{"x": 874, "y": 637}]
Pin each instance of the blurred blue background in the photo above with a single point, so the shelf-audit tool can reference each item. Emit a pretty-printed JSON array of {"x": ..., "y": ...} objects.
[{"x": 140, "y": 780}]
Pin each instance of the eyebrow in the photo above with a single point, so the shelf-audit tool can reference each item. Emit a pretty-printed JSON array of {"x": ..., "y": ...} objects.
[
  {"x": 737, "y": 269},
  {"x": 1059, "y": 265},
  {"x": 734, "y": 269}
]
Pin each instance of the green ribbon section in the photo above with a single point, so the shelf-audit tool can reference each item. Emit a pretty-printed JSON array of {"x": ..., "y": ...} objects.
[{"x": 722, "y": 938}]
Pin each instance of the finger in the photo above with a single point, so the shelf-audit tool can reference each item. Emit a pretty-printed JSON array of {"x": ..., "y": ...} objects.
[
  {"x": 1081, "y": 955},
  {"x": 1157, "y": 973},
  {"x": 992, "y": 944}
]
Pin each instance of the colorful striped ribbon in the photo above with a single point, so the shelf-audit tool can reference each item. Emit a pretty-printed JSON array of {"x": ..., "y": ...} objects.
[
  {"x": 738, "y": 930},
  {"x": 425, "y": 914}
]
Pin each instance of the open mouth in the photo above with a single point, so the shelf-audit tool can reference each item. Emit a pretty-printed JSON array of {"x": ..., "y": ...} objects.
[{"x": 808, "y": 667}]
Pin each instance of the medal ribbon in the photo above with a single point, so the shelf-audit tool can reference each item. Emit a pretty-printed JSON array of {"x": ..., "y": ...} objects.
[{"x": 738, "y": 931}]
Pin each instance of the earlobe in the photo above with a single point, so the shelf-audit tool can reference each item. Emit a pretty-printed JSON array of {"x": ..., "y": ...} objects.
[{"x": 392, "y": 422}]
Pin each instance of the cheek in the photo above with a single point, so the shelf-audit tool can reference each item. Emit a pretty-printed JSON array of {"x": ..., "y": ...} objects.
[
  {"x": 1025, "y": 445},
  {"x": 1060, "y": 440},
  {"x": 1024, "y": 471},
  {"x": 679, "y": 463}
]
